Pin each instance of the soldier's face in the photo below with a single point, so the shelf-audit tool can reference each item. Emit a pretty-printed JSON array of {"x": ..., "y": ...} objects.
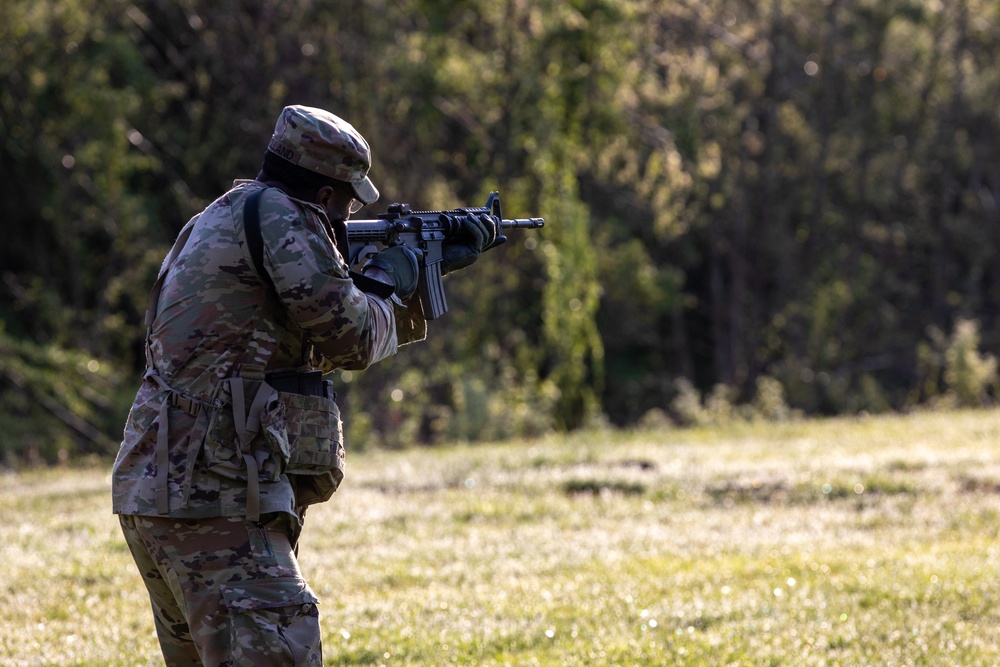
[{"x": 338, "y": 204}]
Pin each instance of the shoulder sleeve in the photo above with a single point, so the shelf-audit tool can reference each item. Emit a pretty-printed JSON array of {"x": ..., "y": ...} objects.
[{"x": 311, "y": 280}]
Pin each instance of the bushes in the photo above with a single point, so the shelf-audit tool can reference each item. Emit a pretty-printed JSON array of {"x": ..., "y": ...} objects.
[
  {"x": 952, "y": 370},
  {"x": 57, "y": 403},
  {"x": 720, "y": 406},
  {"x": 953, "y": 373}
]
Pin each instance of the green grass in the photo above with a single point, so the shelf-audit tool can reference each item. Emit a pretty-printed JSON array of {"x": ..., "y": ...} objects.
[{"x": 840, "y": 542}]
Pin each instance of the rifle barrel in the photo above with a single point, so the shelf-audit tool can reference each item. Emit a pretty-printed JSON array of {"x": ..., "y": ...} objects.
[{"x": 522, "y": 223}]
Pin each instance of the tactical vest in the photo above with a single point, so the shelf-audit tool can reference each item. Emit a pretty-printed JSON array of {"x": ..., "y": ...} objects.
[{"x": 256, "y": 427}]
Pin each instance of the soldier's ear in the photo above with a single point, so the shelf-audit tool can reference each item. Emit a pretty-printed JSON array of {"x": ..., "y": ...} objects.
[{"x": 324, "y": 196}]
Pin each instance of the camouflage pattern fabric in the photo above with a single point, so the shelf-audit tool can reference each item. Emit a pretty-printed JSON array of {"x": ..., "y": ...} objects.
[
  {"x": 216, "y": 318},
  {"x": 226, "y": 592},
  {"x": 327, "y": 144}
]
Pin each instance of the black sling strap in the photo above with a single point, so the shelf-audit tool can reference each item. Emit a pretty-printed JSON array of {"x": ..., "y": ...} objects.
[
  {"x": 255, "y": 243},
  {"x": 251, "y": 225}
]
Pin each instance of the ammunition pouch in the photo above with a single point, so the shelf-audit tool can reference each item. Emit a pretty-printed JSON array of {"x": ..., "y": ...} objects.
[
  {"x": 315, "y": 437},
  {"x": 263, "y": 431}
]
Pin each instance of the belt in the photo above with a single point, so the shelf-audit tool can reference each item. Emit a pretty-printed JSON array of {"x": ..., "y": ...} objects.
[{"x": 307, "y": 383}]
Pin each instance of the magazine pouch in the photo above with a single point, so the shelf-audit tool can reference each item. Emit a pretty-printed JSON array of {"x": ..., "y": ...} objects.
[{"x": 315, "y": 438}]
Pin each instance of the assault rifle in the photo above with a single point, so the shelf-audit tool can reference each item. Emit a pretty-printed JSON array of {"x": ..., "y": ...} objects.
[{"x": 426, "y": 231}]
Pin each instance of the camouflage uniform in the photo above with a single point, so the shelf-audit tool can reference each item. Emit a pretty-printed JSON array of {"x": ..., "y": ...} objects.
[
  {"x": 206, "y": 506},
  {"x": 225, "y": 591}
]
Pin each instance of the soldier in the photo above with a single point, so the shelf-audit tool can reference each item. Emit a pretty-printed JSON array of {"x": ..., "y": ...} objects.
[{"x": 233, "y": 431}]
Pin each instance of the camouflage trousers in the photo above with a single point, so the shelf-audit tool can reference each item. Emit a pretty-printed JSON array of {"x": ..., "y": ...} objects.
[{"x": 226, "y": 592}]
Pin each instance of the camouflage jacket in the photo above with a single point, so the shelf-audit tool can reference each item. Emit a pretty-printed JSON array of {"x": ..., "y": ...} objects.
[{"x": 216, "y": 318}]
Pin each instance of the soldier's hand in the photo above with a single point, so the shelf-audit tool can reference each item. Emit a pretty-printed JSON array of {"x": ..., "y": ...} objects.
[
  {"x": 476, "y": 233},
  {"x": 482, "y": 229},
  {"x": 402, "y": 264}
]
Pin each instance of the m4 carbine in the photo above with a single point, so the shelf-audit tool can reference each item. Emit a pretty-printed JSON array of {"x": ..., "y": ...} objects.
[{"x": 425, "y": 231}]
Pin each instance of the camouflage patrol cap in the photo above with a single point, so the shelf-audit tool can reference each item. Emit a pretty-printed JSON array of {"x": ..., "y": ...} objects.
[{"x": 327, "y": 144}]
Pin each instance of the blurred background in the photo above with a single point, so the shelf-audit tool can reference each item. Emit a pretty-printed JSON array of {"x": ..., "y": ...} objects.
[{"x": 755, "y": 209}]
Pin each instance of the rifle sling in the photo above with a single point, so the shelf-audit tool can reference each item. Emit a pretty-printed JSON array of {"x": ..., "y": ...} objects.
[{"x": 255, "y": 243}]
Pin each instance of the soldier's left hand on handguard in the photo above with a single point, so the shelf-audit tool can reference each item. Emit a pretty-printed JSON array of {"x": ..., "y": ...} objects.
[{"x": 477, "y": 233}]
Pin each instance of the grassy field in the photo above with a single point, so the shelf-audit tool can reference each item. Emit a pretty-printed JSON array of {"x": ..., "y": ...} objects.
[{"x": 841, "y": 542}]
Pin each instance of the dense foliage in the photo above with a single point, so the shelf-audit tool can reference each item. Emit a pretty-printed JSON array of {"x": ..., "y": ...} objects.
[{"x": 793, "y": 195}]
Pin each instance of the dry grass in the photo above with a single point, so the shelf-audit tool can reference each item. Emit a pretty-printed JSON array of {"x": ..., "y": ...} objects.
[{"x": 840, "y": 542}]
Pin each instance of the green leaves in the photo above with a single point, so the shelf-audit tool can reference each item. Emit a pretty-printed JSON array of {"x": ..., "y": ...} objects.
[{"x": 733, "y": 190}]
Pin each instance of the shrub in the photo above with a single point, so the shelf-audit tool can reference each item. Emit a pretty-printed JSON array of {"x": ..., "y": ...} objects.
[
  {"x": 952, "y": 372},
  {"x": 769, "y": 402},
  {"x": 686, "y": 405},
  {"x": 968, "y": 375}
]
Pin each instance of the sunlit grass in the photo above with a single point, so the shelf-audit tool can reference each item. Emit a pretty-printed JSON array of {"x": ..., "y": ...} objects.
[{"x": 841, "y": 542}]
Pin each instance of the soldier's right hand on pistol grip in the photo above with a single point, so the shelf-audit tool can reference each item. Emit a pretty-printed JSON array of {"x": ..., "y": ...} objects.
[{"x": 402, "y": 265}]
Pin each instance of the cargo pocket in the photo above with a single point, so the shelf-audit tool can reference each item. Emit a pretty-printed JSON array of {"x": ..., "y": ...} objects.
[
  {"x": 274, "y": 622},
  {"x": 316, "y": 445}
]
